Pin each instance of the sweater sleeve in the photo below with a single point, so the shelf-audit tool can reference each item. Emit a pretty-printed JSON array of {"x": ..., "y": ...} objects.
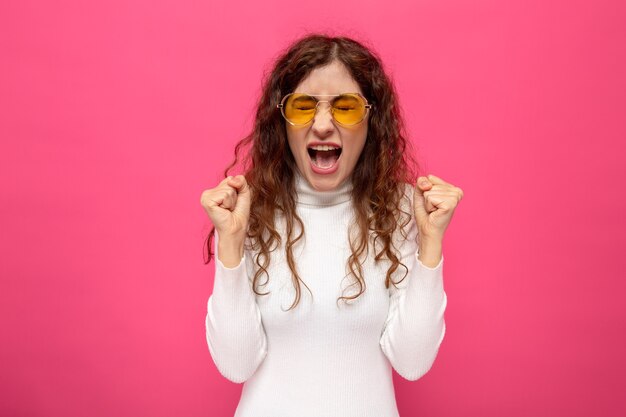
[
  {"x": 234, "y": 330},
  {"x": 415, "y": 324}
]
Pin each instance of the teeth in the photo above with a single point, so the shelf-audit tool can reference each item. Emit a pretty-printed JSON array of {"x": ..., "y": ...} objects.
[{"x": 323, "y": 147}]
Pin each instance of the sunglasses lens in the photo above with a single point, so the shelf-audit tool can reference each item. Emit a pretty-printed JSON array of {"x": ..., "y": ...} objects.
[
  {"x": 300, "y": 108},
  {"x": 349, "y": 109}
]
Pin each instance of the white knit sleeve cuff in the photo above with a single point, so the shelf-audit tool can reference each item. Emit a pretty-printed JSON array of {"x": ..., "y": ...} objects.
[{"x": 428, "y": 268}]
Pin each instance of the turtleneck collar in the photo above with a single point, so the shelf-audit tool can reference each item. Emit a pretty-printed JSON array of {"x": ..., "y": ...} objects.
[{"x": 308, "y": 195}]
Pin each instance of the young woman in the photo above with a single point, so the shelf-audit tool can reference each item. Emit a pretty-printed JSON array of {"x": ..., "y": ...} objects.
[{"x": 329, "y": 200}]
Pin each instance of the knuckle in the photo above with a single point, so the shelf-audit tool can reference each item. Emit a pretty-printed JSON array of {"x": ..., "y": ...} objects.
[{"x": 204, "y": 197}]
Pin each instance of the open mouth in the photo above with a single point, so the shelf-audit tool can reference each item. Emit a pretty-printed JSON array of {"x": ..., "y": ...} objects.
[{"x": 324, "y": 159}]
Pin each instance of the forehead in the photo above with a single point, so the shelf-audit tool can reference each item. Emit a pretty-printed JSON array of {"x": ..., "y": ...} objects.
[{"x": 333, "y": 78}]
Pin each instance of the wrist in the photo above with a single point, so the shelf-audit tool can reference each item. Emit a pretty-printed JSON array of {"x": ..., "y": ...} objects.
[
  {"x": 430, "y": 238},
  {"x": 430, "y": 250},
  {"x": 230, "y": 250},
  {"x": 231, "y": 238}
]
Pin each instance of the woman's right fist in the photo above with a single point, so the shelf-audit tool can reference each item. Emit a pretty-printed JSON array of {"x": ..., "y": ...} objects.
[{"x": 228, "y": 206}]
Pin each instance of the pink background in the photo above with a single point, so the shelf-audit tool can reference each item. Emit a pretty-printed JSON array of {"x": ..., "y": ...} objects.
[{"x": 114, "y": 116}]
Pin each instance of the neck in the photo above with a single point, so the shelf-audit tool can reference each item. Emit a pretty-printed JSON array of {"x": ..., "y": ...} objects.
[{"x": 308, "y": 195}]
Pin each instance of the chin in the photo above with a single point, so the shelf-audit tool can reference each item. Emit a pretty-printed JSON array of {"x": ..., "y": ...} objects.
[{"x": 325, "y": 183}]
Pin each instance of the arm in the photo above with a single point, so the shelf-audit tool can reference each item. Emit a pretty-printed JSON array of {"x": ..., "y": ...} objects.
[
  {"x": 234, "y": 331},
  {"x": 415, "y": 324}
]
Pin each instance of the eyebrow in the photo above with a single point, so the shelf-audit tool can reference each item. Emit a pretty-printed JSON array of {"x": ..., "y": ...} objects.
[
  {"x": 335, "y": 96},
  {"x": 303, "y": 98},
  {"x": 298, "y": 100},
  {"x": 330, "y": 95}
]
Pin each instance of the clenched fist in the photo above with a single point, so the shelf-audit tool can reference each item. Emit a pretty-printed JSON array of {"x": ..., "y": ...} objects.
[
  {"x": 434, "y": 202},
  {"x": 228, "y": 206}
]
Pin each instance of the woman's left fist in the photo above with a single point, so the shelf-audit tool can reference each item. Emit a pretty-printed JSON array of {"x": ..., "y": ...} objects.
[{"x": 434, "y": 201}]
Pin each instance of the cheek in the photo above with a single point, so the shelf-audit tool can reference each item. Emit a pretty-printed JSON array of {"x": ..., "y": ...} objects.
[
  {"x": 292, "y": 140},
  {"x": 295, "y": 141},
  {"x": 358, "y": 142}
]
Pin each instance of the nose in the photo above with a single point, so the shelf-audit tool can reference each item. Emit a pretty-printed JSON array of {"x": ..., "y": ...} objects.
[{"x": 323, "y": 120}]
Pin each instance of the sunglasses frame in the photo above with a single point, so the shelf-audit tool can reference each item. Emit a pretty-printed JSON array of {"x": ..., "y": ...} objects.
[{"x": 281, "y": 106}]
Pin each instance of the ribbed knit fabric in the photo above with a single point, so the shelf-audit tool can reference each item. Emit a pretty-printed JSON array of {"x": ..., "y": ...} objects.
[{"x": 322, "y": 358}]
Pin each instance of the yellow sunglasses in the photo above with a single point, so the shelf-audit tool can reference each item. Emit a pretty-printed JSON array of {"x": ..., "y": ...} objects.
[{"x": 347, "y": 109}]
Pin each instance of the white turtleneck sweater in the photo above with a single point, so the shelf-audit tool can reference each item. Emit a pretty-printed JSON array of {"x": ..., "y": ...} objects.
[{"x": 323, "y": 359}]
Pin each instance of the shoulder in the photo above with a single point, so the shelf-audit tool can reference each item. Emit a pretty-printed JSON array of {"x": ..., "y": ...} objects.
[
  {"x": 409, "y": 188},
  {"x": 406, "y": 198},
  {"x": 405, "y": 221}
]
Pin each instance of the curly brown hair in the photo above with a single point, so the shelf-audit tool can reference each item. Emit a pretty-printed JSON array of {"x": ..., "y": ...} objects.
[{"x": 379, "y": 179}]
